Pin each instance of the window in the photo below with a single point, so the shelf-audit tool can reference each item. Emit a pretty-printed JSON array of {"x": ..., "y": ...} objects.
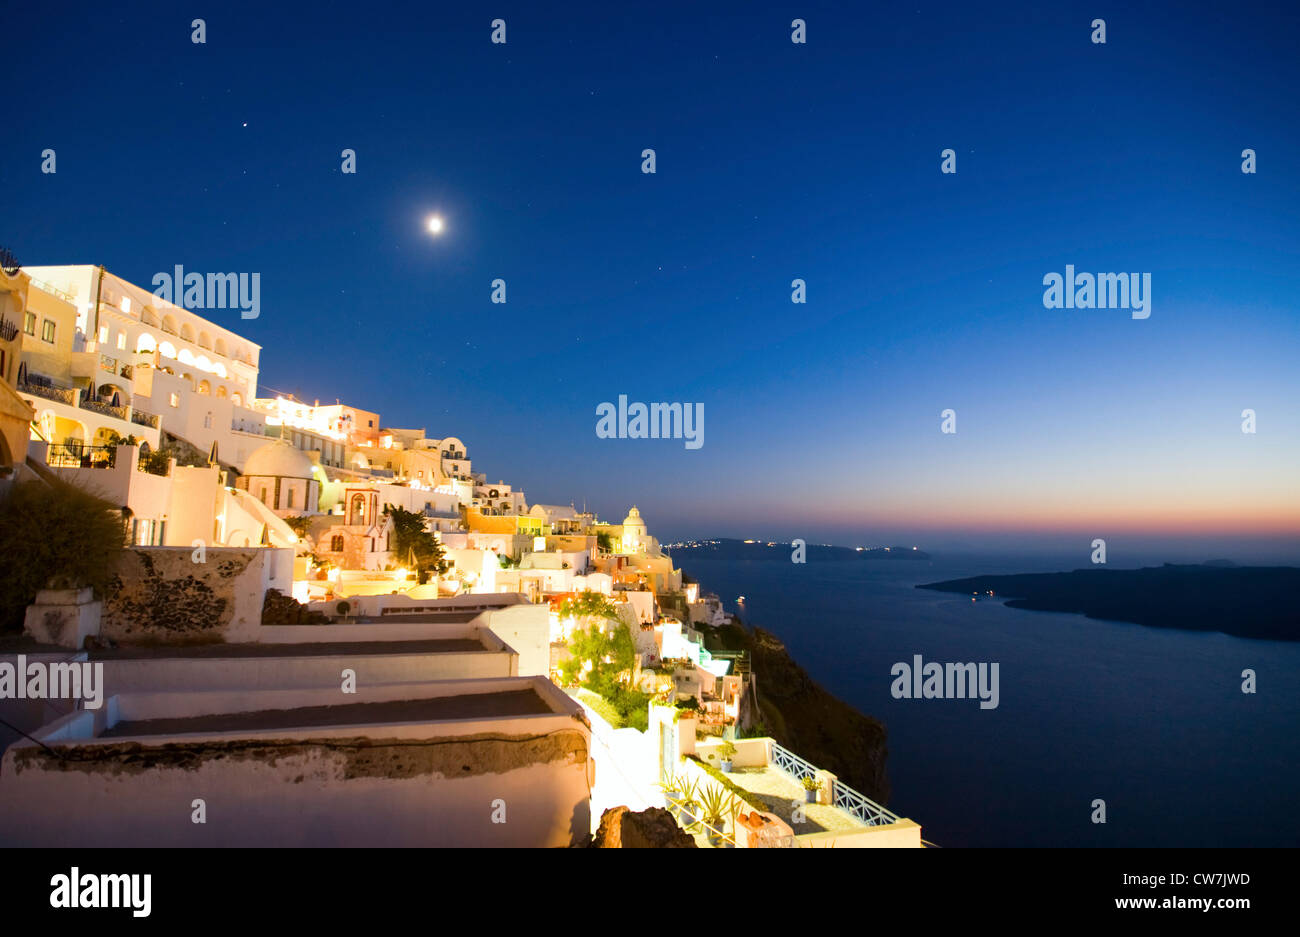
[
  {"x": 47, "y": 331},
  {"x": 29, "y": 324},
  {"x": 103, "y": 335},
  {"x": 263, "y": 499},
  {"x": 336, "y": 543},
  {"x": 175, "y": 399},
  {"x": 121, "y": 341},
  {"x": 207, "y": 420},
  {"x": 289, "y": 502}
]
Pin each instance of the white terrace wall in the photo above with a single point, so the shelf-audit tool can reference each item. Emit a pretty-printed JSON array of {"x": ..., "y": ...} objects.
[
  {"x": 370, "y": 785},
  {"x": 160, "y": 595}
]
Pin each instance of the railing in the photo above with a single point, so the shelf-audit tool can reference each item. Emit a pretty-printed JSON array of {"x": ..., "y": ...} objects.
[
  {"x": 94, "y": 406},
  {"x": 864, "y": 808},
  {"x": 66, "y": 395},
  {"x": 8, "y": 330},
  {"x": 844, "y": 797},
  {"x": 47, "y": 288},
  {"x": 791, "y": 764},
  {"x": 76, "y": 455},
  {"x": 144, "y": 419}
]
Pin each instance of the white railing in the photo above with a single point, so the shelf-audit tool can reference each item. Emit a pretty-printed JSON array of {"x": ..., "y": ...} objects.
[
  {"x": 791, "y": 764},
  {"x": 864, "y": 808},
  {"x": 844, "y": 797}
]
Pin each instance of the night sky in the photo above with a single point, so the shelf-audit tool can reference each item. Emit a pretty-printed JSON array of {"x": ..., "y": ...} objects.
[{"x": 774, "y": 161}]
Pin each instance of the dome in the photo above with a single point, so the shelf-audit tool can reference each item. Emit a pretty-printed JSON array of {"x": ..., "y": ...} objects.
[
  {"x": 634, "y": 519},
  {"x": 278, "y": 459}
]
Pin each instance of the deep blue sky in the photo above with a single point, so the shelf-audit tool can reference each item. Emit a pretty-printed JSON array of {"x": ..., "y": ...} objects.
[{"x": 775, "y": 161}]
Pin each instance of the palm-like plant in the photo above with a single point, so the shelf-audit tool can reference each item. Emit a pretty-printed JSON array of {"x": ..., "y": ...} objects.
[{"x": 717, "y": 805}]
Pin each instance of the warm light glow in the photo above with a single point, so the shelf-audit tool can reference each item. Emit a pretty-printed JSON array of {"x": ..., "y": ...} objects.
[{"x": 435, "y": 225}]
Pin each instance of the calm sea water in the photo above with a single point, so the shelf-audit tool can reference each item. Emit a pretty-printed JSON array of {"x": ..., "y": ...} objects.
[{"x": 1151, "y": 721}]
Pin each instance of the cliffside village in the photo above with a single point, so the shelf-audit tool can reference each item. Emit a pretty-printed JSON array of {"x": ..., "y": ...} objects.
[{"x": 324, "y": 630}]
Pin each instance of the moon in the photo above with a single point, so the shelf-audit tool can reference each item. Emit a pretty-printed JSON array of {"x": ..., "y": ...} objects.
[{"x": 435, "y": 225}]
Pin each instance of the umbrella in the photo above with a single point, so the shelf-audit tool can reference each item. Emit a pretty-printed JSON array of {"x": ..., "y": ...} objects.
[
  {"x": 212, "y": 456},
  {"x": 116, "y": 401},
  {"x": 22, "y": 372}
]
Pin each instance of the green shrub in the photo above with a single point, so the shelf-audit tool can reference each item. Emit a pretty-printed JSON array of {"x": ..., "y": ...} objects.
[{"x": 54, "y": 533}]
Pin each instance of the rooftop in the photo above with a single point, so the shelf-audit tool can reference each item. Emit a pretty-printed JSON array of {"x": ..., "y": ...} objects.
[{"x": 468, "y": 706}]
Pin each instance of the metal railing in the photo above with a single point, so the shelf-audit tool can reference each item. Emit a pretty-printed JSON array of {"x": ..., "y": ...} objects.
[
  {"x": 791, "y": 764},
  {"x": 864, "y": 809},
  {"x": 66, "y": 395},
  {"x": 76, "y": 455},
  {"x": 144, "y": 419},
  {"x": 95, "y": 406}
]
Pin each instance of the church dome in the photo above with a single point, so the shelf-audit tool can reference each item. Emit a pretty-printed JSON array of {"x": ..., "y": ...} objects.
[
  {"x": 634, "y": 519},
  {"x": 278, "y": 459}
]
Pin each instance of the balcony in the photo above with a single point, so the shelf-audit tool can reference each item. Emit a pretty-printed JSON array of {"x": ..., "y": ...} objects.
[
  {"x": 104, "y": 409},
  {"x": 145, "y": 419},
  {"x": 42, "y": 387},
  {"x": 75, "y": 455}
]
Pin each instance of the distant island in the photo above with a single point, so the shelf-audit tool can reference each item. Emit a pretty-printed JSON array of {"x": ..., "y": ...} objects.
[
  {"x": 729, "y": 549},
  {"x": 1246, "y": 601}
]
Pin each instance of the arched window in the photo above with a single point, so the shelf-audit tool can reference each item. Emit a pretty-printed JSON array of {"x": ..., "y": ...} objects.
[{"x": 336, "y": 543}]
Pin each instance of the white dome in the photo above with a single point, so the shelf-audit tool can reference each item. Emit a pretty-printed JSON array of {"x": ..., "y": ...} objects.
[
  {"x": 633, "y": 519},
  {"x": 278, "y": 459}
]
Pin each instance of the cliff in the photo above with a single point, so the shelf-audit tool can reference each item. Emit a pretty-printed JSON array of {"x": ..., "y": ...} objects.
[{"x": 805, "y": 718}]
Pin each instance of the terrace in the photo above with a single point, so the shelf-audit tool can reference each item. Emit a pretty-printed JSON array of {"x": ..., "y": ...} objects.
[{"x": 792, "y": 801}]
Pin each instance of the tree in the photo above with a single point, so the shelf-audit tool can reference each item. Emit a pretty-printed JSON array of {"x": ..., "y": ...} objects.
[
  {"x": 601, "y": 658},
  {"x": 411, "y": 538},
  {"x": 54, "y": 534},
  {"x": 299, "y": 525},
  {"x": 587, "y": 606}
]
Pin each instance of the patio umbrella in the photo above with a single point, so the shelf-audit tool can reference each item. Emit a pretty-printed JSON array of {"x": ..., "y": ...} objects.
[
  {"x": 116, "y": 401},
  {"x": 212, "y": 456},
  {"x": 22, "y": 372}
]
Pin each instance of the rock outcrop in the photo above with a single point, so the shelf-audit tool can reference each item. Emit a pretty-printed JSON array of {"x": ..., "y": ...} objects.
[{"x": 654, "y": 828}]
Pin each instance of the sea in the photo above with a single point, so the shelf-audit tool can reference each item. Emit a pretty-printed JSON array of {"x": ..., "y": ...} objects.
[{"x": 1152, "y": 723}]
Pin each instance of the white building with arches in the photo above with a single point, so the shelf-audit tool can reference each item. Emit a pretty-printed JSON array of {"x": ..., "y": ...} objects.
[{"x": 137, "y": 363}]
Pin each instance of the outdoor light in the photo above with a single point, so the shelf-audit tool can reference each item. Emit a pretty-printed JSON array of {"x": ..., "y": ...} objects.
[{"x": 435, "y": 225}]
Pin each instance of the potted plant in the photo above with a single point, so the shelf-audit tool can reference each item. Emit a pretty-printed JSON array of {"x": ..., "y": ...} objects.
[
  {"x": 671, "y": 786},
  {"x": 716, "y": 805},
  {"x": 688, "y": 807},
  {"x": 726, "y": 752},
  {"x": 810, "y": 788}
]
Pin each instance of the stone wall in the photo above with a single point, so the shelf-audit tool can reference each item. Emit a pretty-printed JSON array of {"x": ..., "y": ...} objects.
[{"x": 161, "y": 595}]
